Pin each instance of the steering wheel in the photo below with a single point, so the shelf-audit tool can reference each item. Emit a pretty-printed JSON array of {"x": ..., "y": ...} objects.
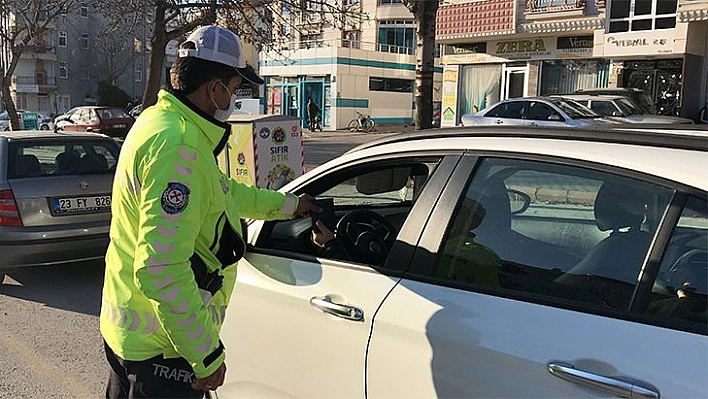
[
  {"x": 366, "y": 235},
  {"x": 691, "y": 265}
]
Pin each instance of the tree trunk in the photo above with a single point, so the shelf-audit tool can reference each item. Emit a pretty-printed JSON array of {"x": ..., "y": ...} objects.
[
  {"x": 7, "y": 100},
  {"x": 425, "y": 14},
  {"x": 158, "y": 41}
]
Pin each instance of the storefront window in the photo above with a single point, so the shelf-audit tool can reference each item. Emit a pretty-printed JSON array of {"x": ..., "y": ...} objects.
[
  {"x": 567, "y": 76},
  {"x": 480, "y": 87}
]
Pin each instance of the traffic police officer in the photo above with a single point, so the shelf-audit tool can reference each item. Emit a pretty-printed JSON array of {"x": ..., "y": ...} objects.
[{"x": 175, "y": 233}]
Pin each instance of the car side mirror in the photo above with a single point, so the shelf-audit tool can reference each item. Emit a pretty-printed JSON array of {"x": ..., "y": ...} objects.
[
  {"x": 555, "y": 117},
  {"x": 519, "y": 201}
]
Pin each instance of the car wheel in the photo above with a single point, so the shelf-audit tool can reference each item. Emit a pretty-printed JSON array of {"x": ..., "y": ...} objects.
[{"x": 44, "y": 127}]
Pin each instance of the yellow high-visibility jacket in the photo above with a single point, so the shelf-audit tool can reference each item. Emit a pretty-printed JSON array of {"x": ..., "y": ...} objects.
[{"x": 170, "y": 201}]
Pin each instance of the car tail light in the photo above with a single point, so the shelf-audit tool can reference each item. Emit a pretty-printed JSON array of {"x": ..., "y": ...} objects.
[{"x": 9, "y": 213}]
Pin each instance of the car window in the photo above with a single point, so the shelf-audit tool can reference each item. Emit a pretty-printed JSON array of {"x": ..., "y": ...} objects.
[
  {"x": 681, "y": 289},
  {"x": 574, "y": 109},
  {"x": 511, "y": 110},
  {"x": 552, "y": 231},
  {"x": 542, "y": 112},
  {"x": 387, "y": 190},
  {"x": 112, "y": 113},
  {"x": 80, "y": 116},
  {"x": 62, "y": 158},
  {"x": 628, "y": 106},
  {"x": 605, "y": 108}
]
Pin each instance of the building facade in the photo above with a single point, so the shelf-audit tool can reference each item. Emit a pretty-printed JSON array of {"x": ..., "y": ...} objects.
[
  {"x": 514, "y": 48},
  {"x": 366, "y": 65},
  {"x": 79, "y": 50}
]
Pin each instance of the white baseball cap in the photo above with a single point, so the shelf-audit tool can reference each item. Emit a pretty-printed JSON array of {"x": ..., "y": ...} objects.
[{"x": 218, "y": 44}]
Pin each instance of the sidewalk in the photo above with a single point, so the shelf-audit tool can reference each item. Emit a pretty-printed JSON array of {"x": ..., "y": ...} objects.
[{"x": 380, "y": 129}]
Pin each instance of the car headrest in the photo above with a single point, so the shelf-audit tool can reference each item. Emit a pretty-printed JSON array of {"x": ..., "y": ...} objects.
[
  {"x": 619, "y": 206},
  {"x": 27, "y": 165}
]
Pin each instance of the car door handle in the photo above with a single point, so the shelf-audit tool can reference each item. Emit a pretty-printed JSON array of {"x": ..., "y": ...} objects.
[
  {"x": 326, "y": 305},
  {"x": 626, "y": 388},
  {"x": 499, "y": 121},
  {"x": 533, "y": 124}
]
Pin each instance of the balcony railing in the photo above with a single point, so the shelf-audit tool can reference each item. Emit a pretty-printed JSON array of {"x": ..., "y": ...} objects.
[
  {"x": 40, "y": 80},
  {"x": 356, "y": 44},
  {"x": 535, "y": 6}
]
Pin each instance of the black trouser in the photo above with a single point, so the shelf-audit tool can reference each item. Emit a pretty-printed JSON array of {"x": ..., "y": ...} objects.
[{"x": 152, "y": 378}]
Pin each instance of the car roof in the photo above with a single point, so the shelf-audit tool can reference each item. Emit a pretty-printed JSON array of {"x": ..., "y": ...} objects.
[
  {"x": 585, "y": 97},
  {"x": 610, "y": 90},
  {"x": 48, "y": 135},
  {"x": 691, "y": 137}
]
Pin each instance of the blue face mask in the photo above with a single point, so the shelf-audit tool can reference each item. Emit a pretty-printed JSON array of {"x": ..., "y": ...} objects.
[{"x": 222, "y": 115}]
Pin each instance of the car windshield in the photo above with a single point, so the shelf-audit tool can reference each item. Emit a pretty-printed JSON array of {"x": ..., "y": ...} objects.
[
  {"x": 629, "y": 107},
  {"x": 111, "y": 113},
  {"x": 574, "y": 109},
  {"x": 61, "y": 157}
]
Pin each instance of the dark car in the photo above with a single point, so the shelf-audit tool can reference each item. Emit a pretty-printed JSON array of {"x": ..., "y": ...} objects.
[
  {"x": 55, "y": 197},
  {"x": 639, "y": 96},
  {"x": 111, "y": 121}
]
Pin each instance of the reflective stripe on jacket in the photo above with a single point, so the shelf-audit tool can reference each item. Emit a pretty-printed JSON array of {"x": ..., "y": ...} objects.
[{"x": 170, "y": 202}]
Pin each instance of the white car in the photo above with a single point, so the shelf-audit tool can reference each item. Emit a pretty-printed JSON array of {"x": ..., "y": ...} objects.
[
  {"x": 622, "y": 109},
  {"x": 484, "y": 262},
  {"x": 536, "y": 111}
]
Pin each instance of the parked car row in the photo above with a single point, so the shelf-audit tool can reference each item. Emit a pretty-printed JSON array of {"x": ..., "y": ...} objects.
[
  {"x": 570, "y": 110},
  {"x": 111, "y": 121},
  {"x": 45, "y": 122}
]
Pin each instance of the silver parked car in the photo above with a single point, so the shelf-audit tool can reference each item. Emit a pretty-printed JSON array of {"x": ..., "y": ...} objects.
[
  {"x": 536, "y": 111},
  {"x": 622, "y": 109},
  {"x": 55, "y": 197}
]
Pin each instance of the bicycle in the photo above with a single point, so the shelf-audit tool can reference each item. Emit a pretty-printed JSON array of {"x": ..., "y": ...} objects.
[{"x": 361, "y": 123}]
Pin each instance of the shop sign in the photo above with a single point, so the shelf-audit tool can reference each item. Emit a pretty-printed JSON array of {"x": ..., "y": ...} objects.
[
  {"x": 525, "y": 49},
  {"x": 574, "y": 46},
  {"x": 449, "y": 96},
  {"x": 472, "y": 48},
  {"x": 639, "y": 43}
]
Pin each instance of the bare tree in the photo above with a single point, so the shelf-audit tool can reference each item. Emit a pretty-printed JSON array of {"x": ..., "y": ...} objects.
[
  {"x": 255, "y": 21},
  {"x": 23, "y": 26},
  {"x": 425, "y": 13}
]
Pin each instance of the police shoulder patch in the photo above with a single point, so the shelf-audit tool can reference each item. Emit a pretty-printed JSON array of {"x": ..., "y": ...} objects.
[{"x": 175, "y": 198}]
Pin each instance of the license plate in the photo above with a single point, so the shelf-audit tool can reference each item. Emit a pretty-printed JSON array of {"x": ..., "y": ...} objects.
[
  {"x": 119, "y": 126},
  {"x": 74, "y": 205}
]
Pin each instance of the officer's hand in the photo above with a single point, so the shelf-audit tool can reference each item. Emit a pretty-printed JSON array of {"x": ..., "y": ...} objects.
[
  {"x": 215, "y": 380},
  {"x": 305, "y": 207}
]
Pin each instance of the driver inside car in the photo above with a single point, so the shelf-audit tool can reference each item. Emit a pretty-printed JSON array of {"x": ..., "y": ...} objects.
[{"x": 328, "y": 246}]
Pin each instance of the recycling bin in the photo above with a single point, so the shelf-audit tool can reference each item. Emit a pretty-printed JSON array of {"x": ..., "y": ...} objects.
[{"x": 263, "y": 150}]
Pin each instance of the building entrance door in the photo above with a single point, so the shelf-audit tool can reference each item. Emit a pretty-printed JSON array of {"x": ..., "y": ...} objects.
[{"x": 515, "y": 81}]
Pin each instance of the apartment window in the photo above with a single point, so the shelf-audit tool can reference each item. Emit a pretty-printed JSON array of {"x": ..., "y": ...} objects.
[
  {"x": 138, "y": 73},
  {"x": 390, "y": 1},
  {"x": 641, "y": 15},
  {"x": 21, "y": 100},
  {"x": 311, "y": 41},
  {"x": 350, "y": 2},
  {"x": 84, "y": 40},
  {"x": 63, "y": 38},
  {"x": 397, "y": 37},
  {"x": 63, "y": 70},
  {"x": 137, "y": 45},
  {"x": 351, "y": 39},
  {"x": 312, "y": 11},
  {"x": 83, "y": 9},
  {"x": 394, "y": 85}
]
